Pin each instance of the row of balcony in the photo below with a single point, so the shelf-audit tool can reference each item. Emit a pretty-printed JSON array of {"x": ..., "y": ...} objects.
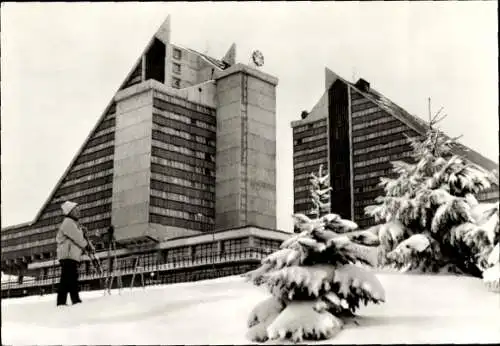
[{"x": 185, "y": 262}]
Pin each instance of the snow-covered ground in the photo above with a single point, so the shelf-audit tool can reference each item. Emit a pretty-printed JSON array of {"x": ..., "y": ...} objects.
[{"x": 419, "y": 309}]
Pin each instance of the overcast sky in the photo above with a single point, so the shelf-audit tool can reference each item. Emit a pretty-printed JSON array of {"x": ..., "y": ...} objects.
[{"x": 61, "y": 63}]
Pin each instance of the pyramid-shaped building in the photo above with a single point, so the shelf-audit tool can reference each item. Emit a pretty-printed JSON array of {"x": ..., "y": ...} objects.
[
  {"x": 356, "y": 132},
  {"x": 181, "y": 163}
]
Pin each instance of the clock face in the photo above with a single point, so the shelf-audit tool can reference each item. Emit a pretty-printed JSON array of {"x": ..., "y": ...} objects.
[{"x": 258, "y": 58}]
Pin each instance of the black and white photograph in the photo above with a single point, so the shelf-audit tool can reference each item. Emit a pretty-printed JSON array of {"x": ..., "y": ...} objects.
[{"x": 235, "y": 173}]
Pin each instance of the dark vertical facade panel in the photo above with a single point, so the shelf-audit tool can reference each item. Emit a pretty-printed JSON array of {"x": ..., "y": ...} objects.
[
  {"x": 340, "y": 179},
  {"x": 155, "y": 61}
]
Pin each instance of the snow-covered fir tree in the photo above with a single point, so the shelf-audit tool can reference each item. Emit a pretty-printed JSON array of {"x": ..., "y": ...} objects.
[
  {"x": 487, "y": 217},
  {"x": 320, "y": 196},
  {"x": 314, "y": 280},
  {"x": 426, "y": 212}
]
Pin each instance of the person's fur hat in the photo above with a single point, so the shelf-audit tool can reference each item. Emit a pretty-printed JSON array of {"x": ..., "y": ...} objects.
[{"x": 67, "y": 207}]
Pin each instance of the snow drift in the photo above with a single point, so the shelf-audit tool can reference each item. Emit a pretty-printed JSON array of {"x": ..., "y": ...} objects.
[{"x": 418, "y": 309}]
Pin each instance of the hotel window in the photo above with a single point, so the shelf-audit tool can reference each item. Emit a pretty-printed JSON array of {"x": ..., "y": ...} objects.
[
  {"x": 309, "y": 163},
  {"x": 379, "y": 134},
  {"x": 267, "y": 243},
  {"x": 488, "y": 195},
  {"x": 380, "y": 146},
  {"x": 300, "y": 129},
  {"x": 205, "y": 250},
  {"x": 149, "y": 260},
  {"x": 173, "y": 132},
  {"x": 309, "y": 151},
  {"x": 176, "y": 68},
  {"x": 356, "y": 114},
  {"x": 171, "y": 115},
  {"x": 313, "y": 138},
  {"x": 209, "y": 158},
  {"x": 372, "y": 123},
  {"x": 176, "y": 83},
  {"x": 177, "y": 253},
  {"x": 201, "y": 140},
  {"x": 301, "y": 188},
  {"x": 177, "y": 54},
  {"x": 181, "y": 198},
  {"x": 235, "y": 245},
  {"x": 204, "y": 125}
]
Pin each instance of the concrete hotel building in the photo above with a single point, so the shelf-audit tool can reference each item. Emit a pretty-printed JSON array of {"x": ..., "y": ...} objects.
[
  {"x": 355, "y": 132},
  {"x": 181, "y": 162}
]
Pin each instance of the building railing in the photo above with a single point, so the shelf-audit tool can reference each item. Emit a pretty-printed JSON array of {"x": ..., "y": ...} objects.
[{"x": 160, "y": 267}]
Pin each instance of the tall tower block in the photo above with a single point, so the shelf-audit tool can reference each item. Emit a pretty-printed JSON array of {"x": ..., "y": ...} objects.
[{"x": 246, "y": 148}]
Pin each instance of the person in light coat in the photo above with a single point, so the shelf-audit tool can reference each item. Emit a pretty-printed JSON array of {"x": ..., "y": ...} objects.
[{"x": 71, "y": 243}]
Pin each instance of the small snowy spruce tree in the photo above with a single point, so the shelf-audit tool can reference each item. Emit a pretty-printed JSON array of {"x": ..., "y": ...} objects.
[
  {"x": 426, "y": 213},
  {"x": 313, "y": 278}
]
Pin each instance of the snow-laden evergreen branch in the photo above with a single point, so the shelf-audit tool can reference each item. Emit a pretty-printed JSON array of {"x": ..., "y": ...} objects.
[
  {"x": 320, "y": 192},
  {"x": 487, "y": 216}
]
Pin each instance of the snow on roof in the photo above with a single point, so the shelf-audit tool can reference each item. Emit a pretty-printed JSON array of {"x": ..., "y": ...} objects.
[
  {"x": 220, "y": 64},
  {"x": 216, "y": 62},
  {"x": 421, "y": 126}
]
